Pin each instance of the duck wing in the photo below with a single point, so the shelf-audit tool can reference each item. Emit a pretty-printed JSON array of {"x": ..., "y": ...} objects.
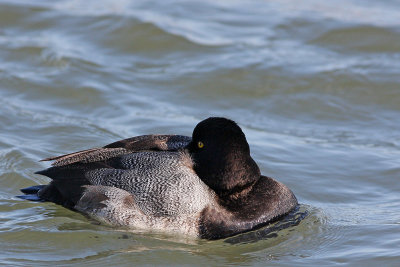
[
  {"x": 163, "y": 183},
  {"x": 122, "y": 147}
]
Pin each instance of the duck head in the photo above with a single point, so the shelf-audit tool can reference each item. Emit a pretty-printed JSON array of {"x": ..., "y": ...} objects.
[{"x": 222, "y": 156}]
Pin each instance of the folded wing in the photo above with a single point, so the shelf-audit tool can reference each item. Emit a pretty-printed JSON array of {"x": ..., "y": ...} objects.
[
  {"x": 154, "y": 169},
  {"x": 126, "y": 146}
]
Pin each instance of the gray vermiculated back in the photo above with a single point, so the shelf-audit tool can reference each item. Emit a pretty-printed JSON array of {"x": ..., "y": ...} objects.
[
  {"x": 162, "y": 183},
  {"x": 177, "y": 142}
]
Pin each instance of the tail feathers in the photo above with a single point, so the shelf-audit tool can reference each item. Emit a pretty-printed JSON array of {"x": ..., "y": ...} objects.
[
  {"x": 75, "y": 171},
  {"x": 31, "y": 193},
  {"x": 42, "y": 172},
  {"x": 32, "y": 189},
  {"x": 31, "y": 197}
]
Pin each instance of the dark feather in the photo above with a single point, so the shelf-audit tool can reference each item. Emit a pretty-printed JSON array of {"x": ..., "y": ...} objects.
[
  {"x": 31, "y": 197},
  {"x": 32, "y": 189},
  {"x": 86, "y": 151},
  {"x": 122, "y": 147}
]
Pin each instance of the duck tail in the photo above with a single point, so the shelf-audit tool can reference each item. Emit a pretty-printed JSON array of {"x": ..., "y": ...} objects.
[{"x": 31, "y": 193}]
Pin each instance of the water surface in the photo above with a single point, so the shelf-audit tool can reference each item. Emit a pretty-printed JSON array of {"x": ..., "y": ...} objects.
[{"x": 315, "y": 87}]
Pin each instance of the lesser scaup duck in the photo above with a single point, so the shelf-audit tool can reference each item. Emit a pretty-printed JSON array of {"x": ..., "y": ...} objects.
[{"x": 207, "y": 186}]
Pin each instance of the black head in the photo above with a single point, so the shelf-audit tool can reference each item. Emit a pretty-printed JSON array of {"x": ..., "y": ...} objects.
[{"x": 222, "y": 156}]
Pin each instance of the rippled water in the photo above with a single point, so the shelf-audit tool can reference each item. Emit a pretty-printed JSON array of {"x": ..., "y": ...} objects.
[{"x": 315, "y": 86}]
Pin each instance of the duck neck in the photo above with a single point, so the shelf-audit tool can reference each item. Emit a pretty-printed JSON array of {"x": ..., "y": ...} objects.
[
  {"x": 236, "y": 180},
  {"x": 237, "y": 193}
]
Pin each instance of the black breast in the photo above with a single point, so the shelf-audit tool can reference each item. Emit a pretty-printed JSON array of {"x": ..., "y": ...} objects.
[{"x": 266, "y": 202}]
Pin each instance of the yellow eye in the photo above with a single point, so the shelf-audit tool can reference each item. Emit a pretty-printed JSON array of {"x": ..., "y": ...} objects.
[{"x": 200, "y": 144}]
